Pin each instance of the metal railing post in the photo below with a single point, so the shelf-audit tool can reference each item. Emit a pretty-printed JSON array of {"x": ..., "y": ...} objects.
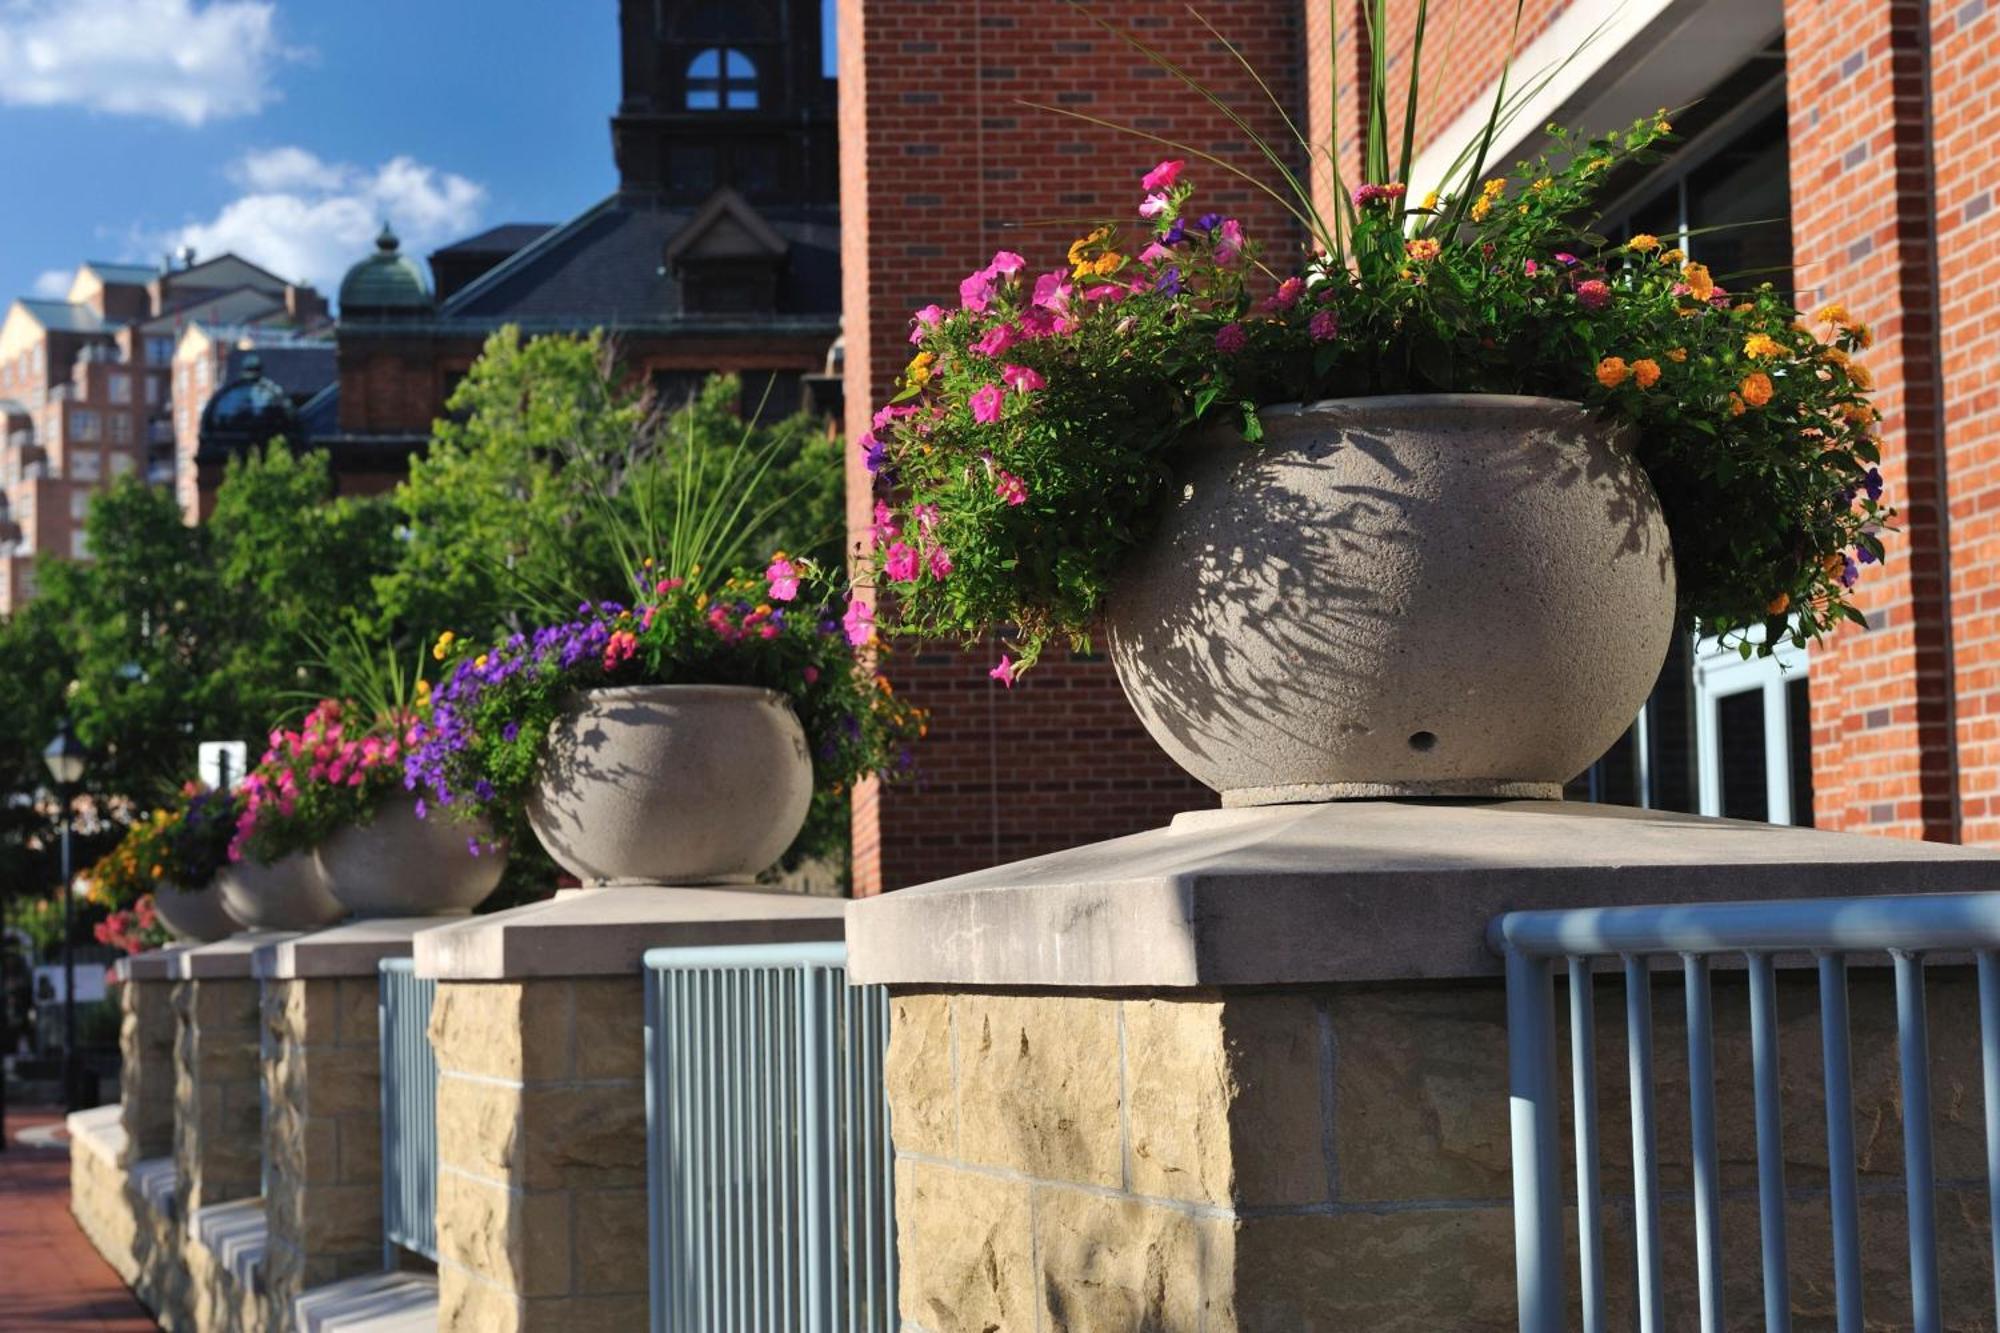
[{"x": 1531, "y": 1079}]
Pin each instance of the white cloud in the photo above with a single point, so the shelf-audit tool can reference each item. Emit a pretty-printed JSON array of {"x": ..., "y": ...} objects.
[
  {"x": 53, "y": 284},
  {"x": 179, "y": 60},
  {"x": 310, "y": 220}
]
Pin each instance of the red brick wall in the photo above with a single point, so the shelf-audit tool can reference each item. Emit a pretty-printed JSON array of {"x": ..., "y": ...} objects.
[
  {"x": 1862, "y": 228},
  {"x": 1965, "y": 62},
  {"x": 939, "y": 165}
]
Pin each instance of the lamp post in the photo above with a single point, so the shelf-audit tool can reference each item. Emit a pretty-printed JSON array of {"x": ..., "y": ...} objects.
[{"x": 64, "y": 756}]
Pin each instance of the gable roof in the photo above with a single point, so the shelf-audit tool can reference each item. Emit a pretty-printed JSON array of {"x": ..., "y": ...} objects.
[
  {"x": 62, "y": 317},
  {"x": 725, "y": 227},
  {"x": 504, "y": 239},
  {"x": 133, "y": 275}
]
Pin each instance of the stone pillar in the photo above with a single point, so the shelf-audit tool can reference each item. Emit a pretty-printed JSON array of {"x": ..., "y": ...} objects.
[
  {"x": 146, "y": 1053},
  {"x": 218, "y": 1082},
  {"x": 539, "y": 1032},
  {"x": 1249, "y": 1073},
  {"x": 323, "y": 1091}
]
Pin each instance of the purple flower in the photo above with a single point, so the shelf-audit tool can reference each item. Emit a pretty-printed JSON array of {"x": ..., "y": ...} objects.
[
  {"x": 1169, "y": 282},
  {"x": 1230, "y": 339},
  {"x": 1864, "y": 555},
  {"x": 1872, "y": 483},
  {"x": 1324, "y": 326},
  {"x": 1174, "y": 234},
  {"x": 472, "y": 846},
  {"x": 1849, "y": 574},
  {"x": 1209, "y": 221},
  {"x": 510, "y": 731},
  {"x": 423, "y": 811}
]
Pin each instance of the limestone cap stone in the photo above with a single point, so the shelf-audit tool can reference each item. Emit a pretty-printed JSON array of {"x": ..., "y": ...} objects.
[
  {"x": 152, "y": 965},
  {"x": 1382, "y": 890},
  {"x": 351, "y": 949},
  {"x": 233, "y": 957}
]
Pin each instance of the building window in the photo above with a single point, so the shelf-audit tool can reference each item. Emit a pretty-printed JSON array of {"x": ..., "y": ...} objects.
[
  {"x": 721, "y": 78},
  {"x": 121, "y": 388},
  {"x": 79, "y": 544},
  {"x": 79, "y": 504},
  {"x": 83, "y": 426},
  {"x": 121, "y": 427},
  {"x": 159, "y": 351},
  {"x": 122, "y": 464},
  {"x": 152, "y": 390},
  {"x": 86, "y": 466}
]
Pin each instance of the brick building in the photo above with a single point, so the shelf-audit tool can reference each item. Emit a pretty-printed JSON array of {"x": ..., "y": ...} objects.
[
  {"x": 87, "y": 389},
  {"x": 1852, "y": 141}
]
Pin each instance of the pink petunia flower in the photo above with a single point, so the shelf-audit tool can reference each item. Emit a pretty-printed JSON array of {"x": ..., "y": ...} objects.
[
  {"x": 926, "y": 319},
  {"x": 1005, "y": 264},
  {"x": 1155, "y": 254},
  {"x": 940, "y": 562},
  {"x": 1154, "y": 205},
  {"x": 985, "y": 402},
  {"x": 784, "y": 579},
  {"x": 996, "y": 340},
  {"x": 858, "y": 623},
  {"x": 1108, "y": 291},
  {"x": 1004, "y": 673},
  {"x": 1164, "y": 176},
  {"x": 885, "y": 523},
  {"x": 927, "y": 518},
  {"x": 1052, "y": 291},
  {"x": 1529, "y": 267},
  {"x": 1009, "y": 487},
  {"x": 901, "y": 562},
  {"x": 1228, "y": 241},
  {"x": 1021, "y": 379},
  {"x": 976, "y": 292}
]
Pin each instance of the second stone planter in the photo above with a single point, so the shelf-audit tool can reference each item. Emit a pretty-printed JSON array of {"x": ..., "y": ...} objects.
[
  {"x": 195, "y": 914},
  {"x": 288, "y": 894},
  {"x": 399, "y": 865}
]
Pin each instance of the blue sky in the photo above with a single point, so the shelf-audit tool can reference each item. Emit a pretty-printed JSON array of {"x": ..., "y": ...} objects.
[{"x": 287, "y": 129}]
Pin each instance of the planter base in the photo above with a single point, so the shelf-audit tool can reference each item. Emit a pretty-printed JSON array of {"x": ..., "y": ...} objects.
[{"x": 1309, "y": 793}]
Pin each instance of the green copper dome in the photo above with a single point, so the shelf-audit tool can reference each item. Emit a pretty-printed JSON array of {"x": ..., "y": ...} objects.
[
  {"x": 250, "y": 410},
  {"x": 385, "y": 283}
]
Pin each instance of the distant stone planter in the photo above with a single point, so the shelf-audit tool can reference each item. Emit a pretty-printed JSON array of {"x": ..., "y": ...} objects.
[
  {"x": 1425, "y": 595},
  {"x": 195, "y": 914},
  {"x": 399, "y": 865},
  {"x": 672, "y": 785},
  {"x": 288, "y": 894}
]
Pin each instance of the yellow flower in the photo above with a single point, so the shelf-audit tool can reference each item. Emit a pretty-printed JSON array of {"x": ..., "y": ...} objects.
[
  {"x": 1677, "y": 355},
  {"x": 1421, "y": 249},
  {"x": 1612, "y": 371},
  {"x": 1864, "y": 337},
  {"x": 1778, "y": 605},
  {"x": 1661, "y": 123},
  {"x": 1673, "y": 256},
  {"x": 1762, "y": 346},
  {"x": 444, "y": 643},
  {"x": 919, "y": 370},
  {"x": 1700, "y": 285},
  {"x": 701, "y": 602},
  {"x": 1755, "y": 388},
  {"x": 1860, "y": 374},
  {"x": 1857, "y": 414},
  {"x": 1480, "y": 209},
  {"x": 1430, "y": 201},
  {"x": 1493, "y": 189},
  {"x": 1104, "y": 265},
  {"x": 1831, "y": 313},
  {"x": 157, "y": 872},
  {"x": 1081, "y": 245},
  {"x": 1646, "y": 372},
  {"x": 1542, "y": 184},
  {"x": 1643, "y": 242}
]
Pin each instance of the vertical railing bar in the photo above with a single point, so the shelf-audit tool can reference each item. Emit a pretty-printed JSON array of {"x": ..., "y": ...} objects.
[
  {"x": 1583, "y": 1095},
  {"x": 1989, "y": 1059},
  {"x": 848, "y": 1145},
  {"x": 732, "y": 1127},
  {"x": 1770, "y": 1144},
  {"x": 1701, "y": 1110},
  {"x": 392, "y": 1183},
  {"x": 891, "y": 1270},
  {"x": 686, "y": 1146},
  {"x": 760, "y": 1102},
  {"x": 1645, "y": 1159},
  {"x": 1842, "y": 1186},
  {"x": 812, "y": 1191},
  {"x": 1913, "y": 1046},
  {"x": 653, "y": 983},
  {"x": 1531, "y": 1077}
]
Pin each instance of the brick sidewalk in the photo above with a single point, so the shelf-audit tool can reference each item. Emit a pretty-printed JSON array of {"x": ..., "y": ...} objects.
[{"x": 50, "y": 1276}]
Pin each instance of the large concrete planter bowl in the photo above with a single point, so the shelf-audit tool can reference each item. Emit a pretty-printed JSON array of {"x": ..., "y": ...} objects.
[
  {"x": 288, "y": 894},
  {"x": 1426, "y": 595},
  {"x": 195, "y": 914},
  {"x": 672, "y": 784},
  {"x": 399, "y": 865}
]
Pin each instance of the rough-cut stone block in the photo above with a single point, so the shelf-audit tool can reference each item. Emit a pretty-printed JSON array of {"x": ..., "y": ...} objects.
[
  {"x": 962, "y": 1241},
  {"x": 358, "y": 1002},
  {"x": 1038, "y": 1086},
  {"x": 583, "y": 1136},
  {"x": 1390, "y": 1272},
  {"x": 1110, "y": 1263},
  {"x": 517, "y": 1242},
  {"x": 611, "y": 1253},
  {"x": 917, "y": 1074},
  {"x": 488, "y": 1028},
  {"x": 479, "y": 1127},
  {"x": 466, "y": 1304},
  {"x": 608, "y": 1033}
]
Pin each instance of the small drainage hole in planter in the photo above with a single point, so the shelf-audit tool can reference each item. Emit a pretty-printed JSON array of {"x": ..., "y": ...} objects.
[{"x": 1423, "y": 740}]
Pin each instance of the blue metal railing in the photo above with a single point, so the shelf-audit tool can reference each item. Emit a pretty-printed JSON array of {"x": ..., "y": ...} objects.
[
  {"x": 1906, "y": 928},
  {"x": 409, "y": 1112},
  {"x": 768, "y": 1161}
]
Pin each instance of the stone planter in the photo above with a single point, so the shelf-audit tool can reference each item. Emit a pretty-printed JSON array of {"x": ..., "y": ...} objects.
[
  {"x": 288, "y": 894},
  {"x": 1426, "y": 595},
  {"x": 195, "y": 914},
  {"x": 672, "y": 784},
  {"x": 399, "y": 865}
]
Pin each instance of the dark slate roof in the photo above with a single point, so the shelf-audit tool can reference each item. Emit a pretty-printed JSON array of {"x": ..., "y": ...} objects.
[
  {"x": 320, "y": 414},
  {"x": 137, "y": 275},
  {"x": 605, "y": 269},
  {"x": 504, "y": 239},
  {"x": 300, "y": 371},
  {"x": 62, "y": 317}
]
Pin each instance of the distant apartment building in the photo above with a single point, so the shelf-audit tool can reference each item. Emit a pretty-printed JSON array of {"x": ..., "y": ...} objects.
[{"x": 87, "y": 389}]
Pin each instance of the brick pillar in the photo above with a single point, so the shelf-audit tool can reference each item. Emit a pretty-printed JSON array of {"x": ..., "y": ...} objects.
[
  {"x": 146, "y": 1063},
  {"x": 1965, "y": 127},
  {"x": 939, "y": 166},
  {"x": 1864, "y": 232},
  {"x": 218, "y": 1112}
]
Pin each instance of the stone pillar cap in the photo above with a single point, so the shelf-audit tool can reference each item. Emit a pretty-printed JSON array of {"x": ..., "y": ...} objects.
[
  {"x": 1351, "y": 891},
  {"x": 152, "y": 965},
  {"x": 604, "y": 932},
  {"x": 231, "y": 957},
  {"x": 350, "y": 949}
]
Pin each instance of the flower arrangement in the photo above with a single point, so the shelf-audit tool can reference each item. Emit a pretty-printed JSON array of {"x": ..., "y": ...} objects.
[
  {"x": 331, "y": 772},
  {"x": 1036, "y": 426},
  {"x": 478, "y": 751},
  {"x": 134, "y": 929}
]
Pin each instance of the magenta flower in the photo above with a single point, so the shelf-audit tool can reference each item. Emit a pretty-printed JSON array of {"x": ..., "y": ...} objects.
[
  {"x": 901, "y": 562},
  {"x": 1021, "y": 379},
  {"x": 888, "y": 414},
  {"x": 1154, "y": 206},
  {"x": 1228, "y": 241},
  {"x": 1365, "y": 195},
  {"x": 1287, "y": 295},
  {"x": 926, "y": 319},
  {"x": 1324, "y": 326},
  {"x": 996, "y": 340},
  {"x": 1009, "y": 487},
  {"x": 1593, "y": 294},
  {"x": 1155, "y": 254},
  {"x": 784, "y": 580},
  {"x": 1230, "y": 338},
  {"x": 1566, "y": 259},
  {"x": 1163, "y": 176},
  {"x": 1004, "y": 673},
  {"x": 976, "y": 292},
  {"x": 1005, "y": 264},
  {"x": 885, "y": 523},
  {"x": 1037, "y": 322},
  {"x": 1052, "y": 291},
  {"x": 927, "y": 518},
  {"x": 940, "y": 563},
  {"x": 859, "y": 623},
  {"x": 1528, "y": 266},
  {"x": 1109, "y": 291},
  {"x": 985, "y": 403}
]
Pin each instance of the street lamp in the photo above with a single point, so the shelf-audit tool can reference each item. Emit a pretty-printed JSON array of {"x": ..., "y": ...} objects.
[{"x": 65, "y": 756}]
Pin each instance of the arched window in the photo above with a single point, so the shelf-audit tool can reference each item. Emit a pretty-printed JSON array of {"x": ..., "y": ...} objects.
[{"x": 719, "y": 78}]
